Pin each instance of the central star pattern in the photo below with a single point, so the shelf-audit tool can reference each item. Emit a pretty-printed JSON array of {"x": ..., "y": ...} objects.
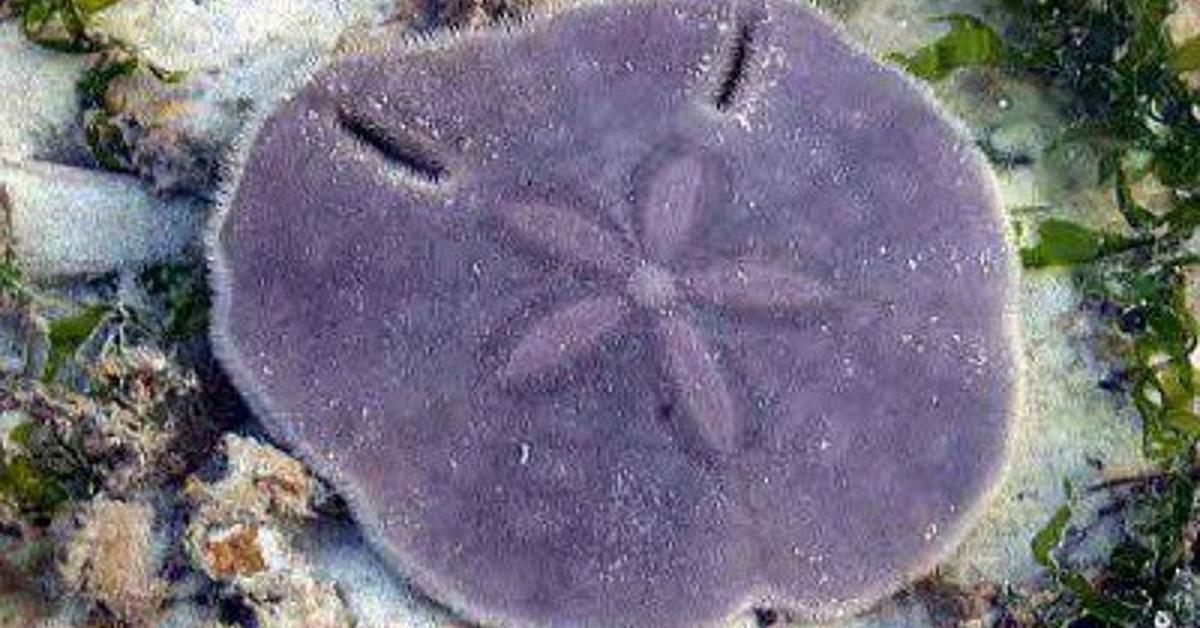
[{"x": 647, "y": 273}]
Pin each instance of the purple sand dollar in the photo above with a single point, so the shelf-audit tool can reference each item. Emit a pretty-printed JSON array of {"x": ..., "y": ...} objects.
[{"x": 633, "y": 314}]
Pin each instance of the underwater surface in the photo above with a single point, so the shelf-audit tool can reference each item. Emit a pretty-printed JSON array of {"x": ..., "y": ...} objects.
[{"x": 432, "y": 313}]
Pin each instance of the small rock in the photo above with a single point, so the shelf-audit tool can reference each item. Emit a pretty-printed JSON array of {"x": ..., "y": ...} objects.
[
  {"x": 154, "y": 128},
  {"x": 260, "y": 483},
  {"x": 112, "y": 560},
  {"x": 71, "y": 221},
  {"x": 290, "y": 599},
  {"x": 1151, "y": 193},
  {"x": 242, "y": 534},
  {"x": 43, "y": 119},
  {"x": 233, "y": 552},
  {"x": 182, "y": 35}
]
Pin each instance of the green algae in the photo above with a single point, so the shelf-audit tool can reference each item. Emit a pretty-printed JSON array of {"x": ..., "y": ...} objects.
[
  {"x": 1065, "y": 243},
  {"x": 60, "y": 24},
  {"x": 68, "y": 333},
  {"x": 12, "y": 279},
  {"x": 30, "y": 487},
  {"x": 182, "y": 289},
  {"x": 969, "y": 43},
  {"x": 32, "y": 477}
]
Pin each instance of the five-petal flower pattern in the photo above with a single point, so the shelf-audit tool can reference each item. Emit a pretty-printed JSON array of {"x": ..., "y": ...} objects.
[{"x": 647, "y": 275}]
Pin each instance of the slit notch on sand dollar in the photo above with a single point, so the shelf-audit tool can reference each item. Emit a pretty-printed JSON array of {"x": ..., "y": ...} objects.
[{"x": 631, "y": 314}]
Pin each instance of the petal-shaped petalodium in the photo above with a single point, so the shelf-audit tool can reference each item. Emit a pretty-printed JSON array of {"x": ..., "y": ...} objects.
[
  {"x": 566, "y": 236},
  {"x": 702, "y": 389},
  {"x": 670, "y": 211},
  {"x": 750, "y": 285},
  {"x": 560, "y": 338}
]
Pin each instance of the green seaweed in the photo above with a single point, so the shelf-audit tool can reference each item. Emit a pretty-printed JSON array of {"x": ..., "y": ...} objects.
[
  {"x": 105, "y": 141},
  {"x": 25, "y": 482},
  {"x": 29, "y": 487},
  {"x": 1065, "y": 243},
  {"x": 1048, "y": 539},
  {"x": 94, "y": 84},
  {"x": 183, "y": 290},
  {"x": 60, "y": 24},
  {"x": 969, "y": 43},
  {"x": 1093, "y": 604},
  {"x": 12, "y": 279},
  {"x": 68, "y": 333},
  {"x": 40, "y": 472}
]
